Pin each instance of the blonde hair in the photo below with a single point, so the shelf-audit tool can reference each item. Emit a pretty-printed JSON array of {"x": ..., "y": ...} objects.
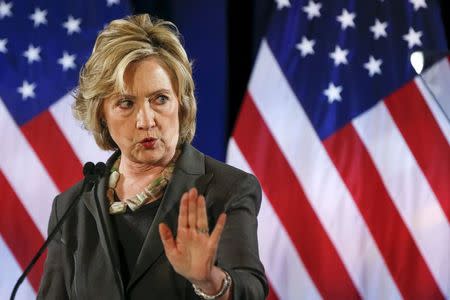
[{"x": 119, "y": 44}]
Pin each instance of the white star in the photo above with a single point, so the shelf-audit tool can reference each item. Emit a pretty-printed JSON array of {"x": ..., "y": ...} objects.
[
  {"x": 67, "y": 61},
  {"x": 312, "y": 9},
  {"x": 5, "y": 9},
  {"x": 112, "y": 2},
  {"x": 27, "y": 90},
  {"x": 32, "y": 54},
  {"x": 39, "y": 17},
  {"x": 418, "y": 4},
  {"x": 72, "y": 25},
  {"x": 379, "y": 29},
  {"x": 306, "y": 46},
  {"x": 3, "y": 43},
  {"x": 339, "y": 56},
  {"x": 333, "y": 93},
  {"x": 413, "y": 38},
  {"x": 346, "y": 19},
  {"x": 373, "y": 66},
  {"x": 282, "y": 3}
]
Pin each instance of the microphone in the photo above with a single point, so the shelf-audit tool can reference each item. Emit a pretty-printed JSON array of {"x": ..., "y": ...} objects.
[
  {"x": 91, "y": 174},
  {"x": 100, "y": 169},
  {"x": 88, "y": 169}
]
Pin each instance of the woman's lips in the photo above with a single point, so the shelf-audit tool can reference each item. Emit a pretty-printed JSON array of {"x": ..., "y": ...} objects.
[{"x": 148, "y": 143}]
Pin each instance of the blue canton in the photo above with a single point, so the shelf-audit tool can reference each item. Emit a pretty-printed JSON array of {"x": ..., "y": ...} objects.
[
  {"x": 342, "y": 57},
  {"x": 43, "y": 46}
]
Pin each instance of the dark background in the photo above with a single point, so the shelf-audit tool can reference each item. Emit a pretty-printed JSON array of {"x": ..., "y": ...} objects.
[{"x": 228, "y": 34}]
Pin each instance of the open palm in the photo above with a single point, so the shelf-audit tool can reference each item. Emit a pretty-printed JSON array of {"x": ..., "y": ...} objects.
[{"x": 192, "y": 253}]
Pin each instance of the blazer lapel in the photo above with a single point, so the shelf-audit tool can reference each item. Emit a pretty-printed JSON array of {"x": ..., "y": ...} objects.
[{"x": 189, "y": 172}]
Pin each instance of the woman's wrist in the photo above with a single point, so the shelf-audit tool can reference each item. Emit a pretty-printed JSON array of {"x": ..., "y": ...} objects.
[{"x": 218, "y": 283}]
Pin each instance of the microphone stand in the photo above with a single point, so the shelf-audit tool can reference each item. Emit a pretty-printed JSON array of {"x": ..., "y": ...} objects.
[
  {"x": 427, "y": 59},
  {"x": 90, "y": 177},
  {"x": 433, "y": 96}
]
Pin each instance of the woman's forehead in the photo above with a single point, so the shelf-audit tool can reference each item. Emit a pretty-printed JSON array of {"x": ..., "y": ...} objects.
[{"x": 145, "y": 76}]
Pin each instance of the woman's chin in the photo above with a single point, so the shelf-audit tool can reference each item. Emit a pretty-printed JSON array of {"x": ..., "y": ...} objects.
[{"x": 149, "y": 156}]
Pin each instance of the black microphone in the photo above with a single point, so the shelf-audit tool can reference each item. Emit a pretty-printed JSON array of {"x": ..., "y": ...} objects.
[
  {"x": 91, "y": 174},
  {"x": 100, "y": 169},
  {"x": 88, "y": 169}
]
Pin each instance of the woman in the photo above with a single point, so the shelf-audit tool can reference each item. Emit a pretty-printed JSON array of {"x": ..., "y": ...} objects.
[{"x": 153, "y": 235}]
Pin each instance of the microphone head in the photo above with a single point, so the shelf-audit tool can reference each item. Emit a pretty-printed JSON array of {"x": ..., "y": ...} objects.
[
  {"x": 100, "y": 169},
  {"x": 88, "y": 168}
]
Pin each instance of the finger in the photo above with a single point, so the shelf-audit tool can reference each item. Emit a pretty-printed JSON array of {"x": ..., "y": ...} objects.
[
  {"x": 192, "y": 208},
  {"x": 202, "y": 218},
  {"x": 183, "y": 214},
  {"x": 193, "y": 193},
  {"x": 167, "y": 239},
  {"x": 217, "y": 232}
]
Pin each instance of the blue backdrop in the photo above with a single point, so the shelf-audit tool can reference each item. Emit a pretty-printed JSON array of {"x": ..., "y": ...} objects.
[{"x": 203, "y": 26}]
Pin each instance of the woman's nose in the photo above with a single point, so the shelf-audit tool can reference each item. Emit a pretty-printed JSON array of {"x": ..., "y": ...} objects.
[{"x": 145, "y": 118}]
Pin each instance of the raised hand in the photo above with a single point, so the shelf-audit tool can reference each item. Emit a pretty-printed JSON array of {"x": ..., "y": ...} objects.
[{"x": 192, "y": 253}]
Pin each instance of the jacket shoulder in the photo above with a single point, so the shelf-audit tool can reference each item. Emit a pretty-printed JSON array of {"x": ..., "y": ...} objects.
[
  {"x": 231, "y": 181},
  {"x": 225, "y": 171}
]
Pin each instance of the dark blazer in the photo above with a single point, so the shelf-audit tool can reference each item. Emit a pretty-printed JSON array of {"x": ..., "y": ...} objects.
[{"x": 81, "y": 265}]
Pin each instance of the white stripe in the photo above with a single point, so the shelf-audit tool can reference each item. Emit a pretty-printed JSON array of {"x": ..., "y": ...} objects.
[
  {"x": 82, "y": 143},
  {"x": 25, "y": 172},
  {"x": 319, "y": 178},
  {"x": 409, "y": 190},
  {"x": 436, "y": 79},
  {"x": 284, "y": 268},
  {"x": 10, "y": 271}
]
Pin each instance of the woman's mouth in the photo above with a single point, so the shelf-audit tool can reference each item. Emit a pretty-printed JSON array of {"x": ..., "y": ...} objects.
[{"x": 148, "y": 143}]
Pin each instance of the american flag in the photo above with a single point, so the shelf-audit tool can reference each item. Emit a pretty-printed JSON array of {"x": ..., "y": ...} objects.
[
  {"x": 43, "y": 44},
  {"x": 351, "y": 150}
]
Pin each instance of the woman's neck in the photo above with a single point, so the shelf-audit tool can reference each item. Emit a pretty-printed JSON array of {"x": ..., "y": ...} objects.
[
  {"x": 134, "y": 177},
  {"x": 130, "y": 169}
]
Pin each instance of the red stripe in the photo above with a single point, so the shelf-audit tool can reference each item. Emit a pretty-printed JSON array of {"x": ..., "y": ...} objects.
[
  {"x": 19, "y": 232},
  {"x": 425, "y": 139},
  {"x": 400, "y": 253},
  {"x": 271, "y": 295},
  {"x": 54, "y": 151},
  {"x": 291, "y": 205}
]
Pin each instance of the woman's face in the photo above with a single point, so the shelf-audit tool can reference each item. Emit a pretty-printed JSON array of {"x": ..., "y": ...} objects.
[{"x": 144, "y": 122}]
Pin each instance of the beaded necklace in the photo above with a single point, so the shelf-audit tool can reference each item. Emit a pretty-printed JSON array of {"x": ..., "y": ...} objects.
[{"x": 151, "y": 192}]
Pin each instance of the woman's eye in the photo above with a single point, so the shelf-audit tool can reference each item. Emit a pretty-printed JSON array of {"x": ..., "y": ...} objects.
[
  {"x": 161, "y": 99},
  {"x": 125, "y": 103}
]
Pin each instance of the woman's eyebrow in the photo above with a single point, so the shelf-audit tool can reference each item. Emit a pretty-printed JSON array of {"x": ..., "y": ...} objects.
[
  {"x": 153, "y": 93},
  {"x": 159, "y": 91}
]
